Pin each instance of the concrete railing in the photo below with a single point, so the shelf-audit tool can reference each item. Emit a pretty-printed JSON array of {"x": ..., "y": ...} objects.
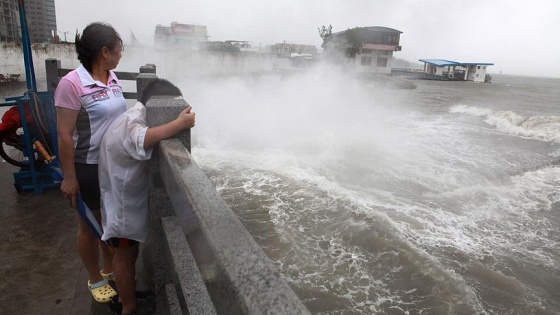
[
  {"x": 213, "y": 262},
  {"x": 199, "y": 259}
]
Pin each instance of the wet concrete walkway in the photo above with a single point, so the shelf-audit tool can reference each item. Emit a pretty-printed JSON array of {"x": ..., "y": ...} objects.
[
  {"x": 40, "y": 268},
  {"x": 41, "y": 272}
]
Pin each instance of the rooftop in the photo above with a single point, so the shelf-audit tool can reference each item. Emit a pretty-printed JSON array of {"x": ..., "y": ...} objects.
[
  {"x": 445, "y": 63},
  {"x": 373, "y": 29}
]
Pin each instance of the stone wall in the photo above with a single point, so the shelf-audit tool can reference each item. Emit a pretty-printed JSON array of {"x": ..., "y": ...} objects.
[
  {"x": 11, "y": 60},
  {"x": 171, "y": 62}
]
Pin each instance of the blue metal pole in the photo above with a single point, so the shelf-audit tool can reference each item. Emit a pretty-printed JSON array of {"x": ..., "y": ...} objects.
[{"x": 26, "y": 46}]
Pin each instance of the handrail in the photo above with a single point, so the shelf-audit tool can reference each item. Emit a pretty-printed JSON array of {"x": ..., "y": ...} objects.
[
  {"x": 202, "y": 260},
  {"x": 237, "y": 275},
  {"x": 55, "y": 72}
]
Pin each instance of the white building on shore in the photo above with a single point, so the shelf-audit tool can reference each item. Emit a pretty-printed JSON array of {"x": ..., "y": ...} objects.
[
  {"x": 370, "y": 49},
  {"x": 460, "y": 71}
]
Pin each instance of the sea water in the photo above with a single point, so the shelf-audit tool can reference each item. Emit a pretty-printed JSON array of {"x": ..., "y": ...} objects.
[{"x": 441, "y": 199}]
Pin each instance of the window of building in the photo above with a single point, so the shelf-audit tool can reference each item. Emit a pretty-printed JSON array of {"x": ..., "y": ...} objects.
[
  {"x": 383, "y": 52},
  {"x": 484, "y": 67},
  {"x": 478, "y": 67},
  {"x": 382, "y": 62},
  {"x": 392, "y": 39},
  {"x": 366, "y": 61},
  {"x": 367, "y": 51}
]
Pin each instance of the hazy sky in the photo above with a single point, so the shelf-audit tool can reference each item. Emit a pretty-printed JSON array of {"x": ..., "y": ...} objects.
[{"x": 519, "y": 37}]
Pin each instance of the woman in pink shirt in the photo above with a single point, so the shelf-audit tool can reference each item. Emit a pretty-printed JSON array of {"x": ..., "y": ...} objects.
[{"x": 87, "y": 100}]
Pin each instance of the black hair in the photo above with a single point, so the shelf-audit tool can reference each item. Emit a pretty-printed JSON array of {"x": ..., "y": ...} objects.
[
  {"x": 94, "y": 37},
  {"x": 159, "y": 87}
]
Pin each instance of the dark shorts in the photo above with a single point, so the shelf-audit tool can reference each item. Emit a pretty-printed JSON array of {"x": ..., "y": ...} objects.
[
  {"x": 88, "y": 180},
  {"x": 121, "y": 242}
]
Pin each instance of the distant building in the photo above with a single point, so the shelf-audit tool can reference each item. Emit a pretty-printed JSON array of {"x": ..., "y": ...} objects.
[
  {"x": 446, "y": 70},
  {"x": 292, "y": 56},
  {"x": 187, "y": 35},
  {"x": 457, "y": 71},
  {"x": 244, "y": 46},
  {"x": 41, "y": 20},
  {"x": 369, "y": 48},
  {"x": 10, "y": 30},
  {"x": 226, "y": 47},
  {"x": 288, "y": 50}
]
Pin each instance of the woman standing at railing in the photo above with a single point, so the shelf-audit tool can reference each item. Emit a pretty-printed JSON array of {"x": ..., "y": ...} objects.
[{"x": 87, "y": 100}]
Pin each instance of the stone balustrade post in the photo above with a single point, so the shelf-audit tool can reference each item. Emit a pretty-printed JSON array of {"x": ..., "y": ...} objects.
[
  {"x": 147, "y": 74},
  {"x": 51, "y": 66}
]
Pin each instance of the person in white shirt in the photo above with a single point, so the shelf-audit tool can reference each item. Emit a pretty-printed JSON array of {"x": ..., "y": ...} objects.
[{"x": 123, "y": 180}]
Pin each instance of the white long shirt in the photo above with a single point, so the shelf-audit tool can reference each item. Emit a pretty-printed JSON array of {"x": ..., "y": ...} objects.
[{"x": 123, "y": 177}]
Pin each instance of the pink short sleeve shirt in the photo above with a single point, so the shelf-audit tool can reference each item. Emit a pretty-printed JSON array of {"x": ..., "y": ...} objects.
[{"x": 98, "y": 105}]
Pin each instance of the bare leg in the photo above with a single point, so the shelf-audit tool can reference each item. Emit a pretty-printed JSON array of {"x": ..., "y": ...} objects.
[
  {"x": 106, "y": 254},
  {"x": 88, "y": 249},
  {"x": 107, "y": 259},
  {"x": 124, "y": 263}
]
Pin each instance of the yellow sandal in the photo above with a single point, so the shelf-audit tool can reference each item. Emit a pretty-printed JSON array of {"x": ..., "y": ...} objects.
[
  {"x": 102, "y": 291},
  {"x": 108, "y": 276}
]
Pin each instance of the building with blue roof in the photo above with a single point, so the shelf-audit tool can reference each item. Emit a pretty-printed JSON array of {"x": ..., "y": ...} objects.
[{"x": 442, "y": 69}]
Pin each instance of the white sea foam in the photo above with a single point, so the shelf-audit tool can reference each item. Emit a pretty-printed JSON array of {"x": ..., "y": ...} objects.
[
  {"x": 339, "y": 257},
  {"x": 544, "y": 128},
  {"x": 471, "y": 110},
  {"x": 481, "y": 229},
  {"x": 333, "y": 166},
  {"x": 505, "y": 218}
]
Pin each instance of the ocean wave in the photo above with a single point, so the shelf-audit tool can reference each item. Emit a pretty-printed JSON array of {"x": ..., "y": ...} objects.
[{"x": 543, "y": 128}]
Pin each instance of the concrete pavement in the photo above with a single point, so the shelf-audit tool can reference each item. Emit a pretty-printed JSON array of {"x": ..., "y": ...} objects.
[
  {"x": 40, "y": 270},
  {"x": 40, "y": 267}
]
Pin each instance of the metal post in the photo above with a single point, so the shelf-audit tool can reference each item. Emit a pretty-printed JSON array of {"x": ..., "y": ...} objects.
[{"x": 26, "y": 47}]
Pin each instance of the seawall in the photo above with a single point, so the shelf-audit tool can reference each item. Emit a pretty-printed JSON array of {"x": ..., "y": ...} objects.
[{"x": 172, "y": 62}]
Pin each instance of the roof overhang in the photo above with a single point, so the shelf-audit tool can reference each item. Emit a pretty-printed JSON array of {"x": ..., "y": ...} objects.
[
  {"x": 477, "y": 64},
  {"x": 445, "y": 63},
  {"x": 440, "y": 62},
  {"x": 382, "y": 47},
  {"x": 371, "y": 29}
]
